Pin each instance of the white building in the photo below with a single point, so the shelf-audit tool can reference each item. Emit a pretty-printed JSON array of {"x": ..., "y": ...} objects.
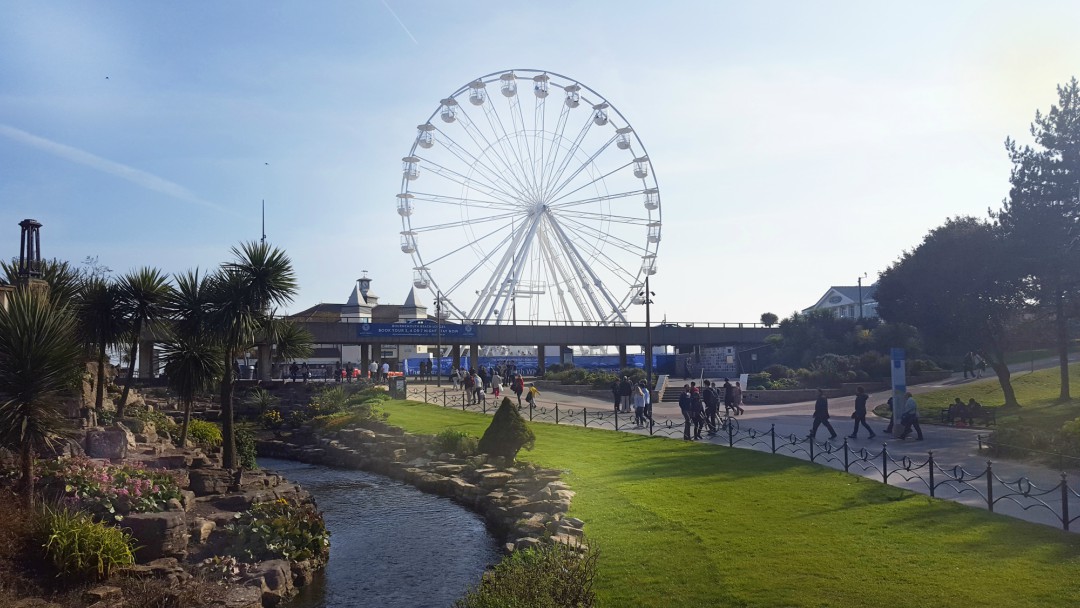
[{"x": 844, "y": 301}]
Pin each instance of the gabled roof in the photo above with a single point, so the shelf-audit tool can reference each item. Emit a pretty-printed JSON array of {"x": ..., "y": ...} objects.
[
  {"x": 412, "y": 301},
  {"x": 320, "y": 312},
  {"x": 356, "y": 298},
  {"x": 849, "y": 293}
]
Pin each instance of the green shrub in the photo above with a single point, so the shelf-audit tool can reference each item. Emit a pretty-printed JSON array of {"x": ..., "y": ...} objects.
[
  {"x": 777, "y": 371},
  {"x": 281, "y": 529},
  {"x": 160, "y": 421},
  {"x": 245, "y": 450},
  {"x": 80, "y": 548},
  {"x": 507, "y": 433},
  {"x": 550, "y": 576},
  {"x": 458, "y": 443},
  {"x": 262, "y": 399},
  {"x": 272, "y": 419},
  {"x": 205, "y": 434}
]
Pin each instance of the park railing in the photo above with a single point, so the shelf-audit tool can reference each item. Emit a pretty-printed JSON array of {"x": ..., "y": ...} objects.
[{"x": 940, "y": 481}]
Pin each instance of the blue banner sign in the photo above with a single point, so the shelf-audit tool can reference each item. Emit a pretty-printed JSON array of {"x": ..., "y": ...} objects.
[{"x": 419, "y": 330}]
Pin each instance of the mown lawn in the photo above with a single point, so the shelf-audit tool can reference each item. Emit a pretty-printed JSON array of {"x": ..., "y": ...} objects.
[{"x": 684, "y": 524}]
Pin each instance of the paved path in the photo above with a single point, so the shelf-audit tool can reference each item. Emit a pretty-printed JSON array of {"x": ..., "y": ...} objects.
[{"x": 951, "y": 447}]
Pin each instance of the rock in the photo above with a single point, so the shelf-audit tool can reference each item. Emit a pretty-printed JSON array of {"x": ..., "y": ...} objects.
[
  {"x": 527, "y": 543},
  {"x": 110, "y": 443},
  {"x": 304, "y": 572},
  {"x": 242, "y": 597},
  {"x": 201, "y": 529},
  {"x": 449, "y": 469},
  {"x": 34, "y": 602},
  {"x": 102, "y": 593},
  {"x": 494, "y": 479},
  {"x": 158, "y": 534},
  {"x": 174, "y": 504},
  {"x": 274, "y": 579},
  {"x": 242, "y": 501},
  {"x": 205, "y": 482}
]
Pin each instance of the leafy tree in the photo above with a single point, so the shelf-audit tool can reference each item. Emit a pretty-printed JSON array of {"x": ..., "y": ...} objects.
[
  {"x": 1040, "y": 217},
  {"x": 244, "y": 293},
  {"x": 39, "y": 359},
  {"x": 144, "y": 294},
  {"x": 961, "y": 288},
  {"x": 768, "y": 319},
  {"x": 97, "y": 309}
]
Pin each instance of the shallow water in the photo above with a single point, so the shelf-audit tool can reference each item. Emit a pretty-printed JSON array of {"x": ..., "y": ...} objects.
[{"x": 391, "y": 545}]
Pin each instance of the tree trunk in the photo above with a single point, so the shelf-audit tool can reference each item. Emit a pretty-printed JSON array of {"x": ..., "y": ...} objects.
[
  {"x": 187, "y": 419},
  {"x": 131, "y": 372},
  {"x": 1005, "y": 379},
  {"x": 99, "y": 398},
  {"x": 1062, "y": 325},
  {"x": 27, "y": 462},
  {"x": 228, "y": 440}
]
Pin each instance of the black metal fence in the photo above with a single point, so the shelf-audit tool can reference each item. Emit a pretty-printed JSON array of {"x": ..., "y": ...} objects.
[{"x": 929, "y": 474}]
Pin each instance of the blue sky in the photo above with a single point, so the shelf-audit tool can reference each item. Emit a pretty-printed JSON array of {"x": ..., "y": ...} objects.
[{"x": 796, "y": 145}]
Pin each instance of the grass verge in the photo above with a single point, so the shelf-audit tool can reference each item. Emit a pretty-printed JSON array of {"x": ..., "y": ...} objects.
[{"x": 686, "y": 524}]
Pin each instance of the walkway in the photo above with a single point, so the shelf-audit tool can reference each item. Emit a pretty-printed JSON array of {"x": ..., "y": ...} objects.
[{"x": 1023, "y": 490}]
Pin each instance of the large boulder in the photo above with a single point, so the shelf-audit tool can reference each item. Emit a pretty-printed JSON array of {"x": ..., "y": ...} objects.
[
  {"x": 112, "y": 443},
  {"x": 274, "y": 579},
  {"x": 158, "y": 535}
]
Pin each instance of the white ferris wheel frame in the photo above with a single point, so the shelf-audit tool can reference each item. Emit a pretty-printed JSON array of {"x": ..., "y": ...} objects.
[{"x": 528, "y": 189}]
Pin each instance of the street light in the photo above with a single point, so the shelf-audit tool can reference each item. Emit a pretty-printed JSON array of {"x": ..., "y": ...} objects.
[
  {"x": 645, "y": 297},
  {"x": 860, "y": 295}
]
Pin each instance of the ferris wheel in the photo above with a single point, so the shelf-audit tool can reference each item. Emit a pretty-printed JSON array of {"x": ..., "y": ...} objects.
[{"x": 527, "y": 196}]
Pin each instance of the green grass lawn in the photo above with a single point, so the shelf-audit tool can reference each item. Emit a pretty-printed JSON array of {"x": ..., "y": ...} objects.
[
  {"x": 685, "y": 524},
  {"x": 1037, "y": 393}
]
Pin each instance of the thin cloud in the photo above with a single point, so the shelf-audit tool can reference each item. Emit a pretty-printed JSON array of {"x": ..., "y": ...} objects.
[
  {"x": 400, "y": 22},
  {"x": 131, "y": 174}
]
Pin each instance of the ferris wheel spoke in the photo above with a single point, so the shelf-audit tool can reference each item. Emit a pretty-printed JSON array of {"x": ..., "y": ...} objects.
[
  {"x": 524, "y": 150},
  {"x": 474, "y": 243},
  {"x": 564, "y": 278},
  {"x": 475, "y": 132},
  {"x": 597, "y": 254},
  {"x": 598, "y": 179},
  {"x": 568, "y": 158},
  {"x": 451, "y": 175},
  {"x": 513, "y": 279},
  {"x": 467, "y": 202},
  {"x": 585, "y": 165},
  {"x": 590, "y": 215},
  {"x": 508, "y": 146},
  {"x": 597, "y": 283},
  {"x": 490, "y": 174},
  {"x": 488, "y": 292},
  {"x": 579, "y": 272},
  {"x": 466, "y": 222},
  {"x": 596, "y": 199},
  {"x": 606, "y": 237},
  {"x": 553, "y": 149},
  {"x": 483, "y": 262},
  {"x": 539, "y": 121}
]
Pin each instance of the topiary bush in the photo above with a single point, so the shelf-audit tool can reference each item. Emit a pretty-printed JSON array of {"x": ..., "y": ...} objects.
[
  {"x": 80, "y": 548},
  {"x": 549, "y": 576},
  {"x": 507, "y": 433}
]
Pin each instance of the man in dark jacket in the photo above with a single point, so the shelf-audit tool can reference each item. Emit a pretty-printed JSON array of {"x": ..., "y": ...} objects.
[
  {"x": 821, "y": 416},
  {"x": 860, "y": 414},
  {"x": 685, "y": 407},
  {"x": 697, "y": 412},
  {"x": 626, "y": 388},
  {"x": 712, "y": 405}
]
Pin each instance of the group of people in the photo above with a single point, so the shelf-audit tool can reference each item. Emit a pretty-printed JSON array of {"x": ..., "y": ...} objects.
[
  {"x": 974, "y": 365},
  {"x": 965, "y": 413},
  {"x": 627, "y": 394},
  {"x": 700, "y": 407},
  {"x": 477, "y": 383},
  {"x": 909, "y": 416}
]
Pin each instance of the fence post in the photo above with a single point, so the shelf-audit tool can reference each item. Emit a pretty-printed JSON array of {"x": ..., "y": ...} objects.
[
  {"x": 650, "y": 425},
  {"x": 530, "y": 413},
  {"x": 730, "y": 433},
  {"x": 483, "y": 405},
  {"x": 885, "y": 463},
  {"x": 772, "y": 436},
  {"x": 616, "y": 419},
  {"x": 930, "y": 463},
  {"x": 811, "y": 449},
  {"x": 585, "y": 417},
  {"x": 463, "y": 402},
  {"x": 1064, "y": 501},
  {"x": 979, "y": 437},
  {"x": 846, "y": 464},
  {"x": 556, "y": 412},
  {"x": 425, "y": 394},
  {"x": 444, "y": 401},
  {"x": 989, "y": 486}
]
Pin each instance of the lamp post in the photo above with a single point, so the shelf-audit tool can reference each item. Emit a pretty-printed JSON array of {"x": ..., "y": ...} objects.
[
  {"x": 645, "y": 297},
  {"x": 438, "y": 333},
  {"x": 860, "y": 295}
]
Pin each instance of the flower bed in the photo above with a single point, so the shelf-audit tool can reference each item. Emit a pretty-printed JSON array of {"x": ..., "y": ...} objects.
[{"x": 108, "y": 491}]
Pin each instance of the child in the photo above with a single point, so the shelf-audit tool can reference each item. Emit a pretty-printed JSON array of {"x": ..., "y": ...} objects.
[{"x": 531, "y": 397}]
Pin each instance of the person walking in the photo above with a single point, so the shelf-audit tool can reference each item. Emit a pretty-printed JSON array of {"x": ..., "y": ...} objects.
[
  {"x": 533, "y": 393},
  {"x": 470, "y": 386},
  {"x": 910, "y": 418},
  {"x": 616, "y": 394},
  {"x": 626, "y": 389},
  {"x": 685, "y": 409},
  {"x": 518, "y": 386},
  {"x": 496, "y": 383},
  {"x": 648, "y": 400},
  {"x": 712, "y": 405},
  {"x": 294, "y": 369},
  {"x": 969, "y": 365},
  {"x": 737, "y": 391},
  {"x": 639, "y": 407},
  {"x": 821, "y": 416},
  {"x": 385, "y": 371},
  {"x": 859, "y": 415},
  {"x": 697, "y": 412}
]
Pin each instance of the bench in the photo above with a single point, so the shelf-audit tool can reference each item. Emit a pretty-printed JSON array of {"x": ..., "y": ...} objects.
[{"x": 987, "y": 416}]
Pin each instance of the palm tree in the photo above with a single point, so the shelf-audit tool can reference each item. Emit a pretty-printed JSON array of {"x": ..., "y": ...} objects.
[
  {"x": 193, "y": 355},
  {"x": 193, "y": 365},
  {"x": 290, "y": 341},
  {"x": 63, "y": 279},
  {"x": 144, "y": 294},
  {"x": 98, "y": 311},
  {"x": 40, "y": 357},
  {"x": 245, "y": 292}
]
